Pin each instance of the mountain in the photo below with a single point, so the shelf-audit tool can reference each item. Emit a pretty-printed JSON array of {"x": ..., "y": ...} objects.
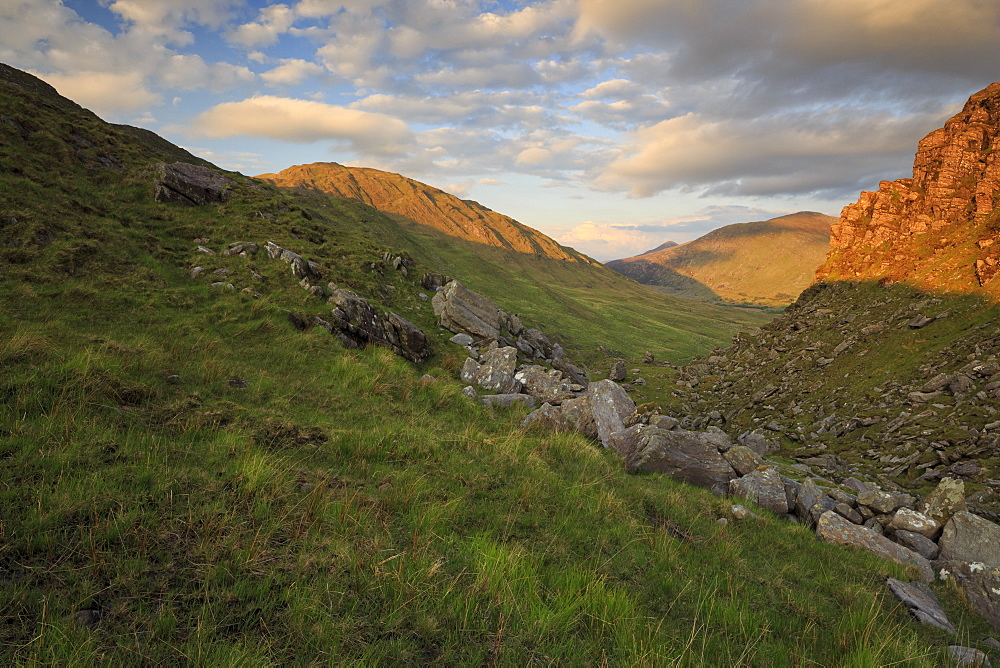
[
  {"x": 767, "y": 262},
  {"x": 664, "y": 245},
  {"x": 195, "y": 470},
  {"x": 939, "y": 229},
  {"x": 424, "y": 204}
]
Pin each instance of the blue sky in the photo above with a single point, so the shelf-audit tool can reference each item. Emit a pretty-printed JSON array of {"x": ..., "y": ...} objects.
[{"x": 611, "y": 125}]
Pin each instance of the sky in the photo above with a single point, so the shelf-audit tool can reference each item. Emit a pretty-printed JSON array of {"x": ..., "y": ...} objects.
[{"x": 610, "y": 125}]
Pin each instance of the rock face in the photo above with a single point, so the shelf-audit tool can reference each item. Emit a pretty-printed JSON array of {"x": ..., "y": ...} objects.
[
  {"x": 683, "y": 455},
  {"x": 194, "y": 185},
  {"x": 980, "y": 585},
  {"x": 494, "y": 371},
  {"x": 939, "y": 228},
  {"x": 968, "y": 537},
  {"x": 362, "y": 323},
  {"x": 461, "y": 310},
  {"x": 835, "y": 529},
  {"x": 422, "y": 204},
  {"x": 610, "y": 407}
]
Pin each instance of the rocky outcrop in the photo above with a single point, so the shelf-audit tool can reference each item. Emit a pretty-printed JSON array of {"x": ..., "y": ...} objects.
[
  {"x": 494, "y": 372},
  {"x": 970, "y": 538},
  {"x": 835, "y": 529},
  {"x": 940, "y": 228},
  {"x": 461, "y": 310},
  {"x": 361, "y": 322},
  {"x": 684, "y": 455},
  {"x": 194, "y": 185}
]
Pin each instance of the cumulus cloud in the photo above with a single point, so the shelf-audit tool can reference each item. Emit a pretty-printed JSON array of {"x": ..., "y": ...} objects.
[
  {"x": 827, "y": 150},
  {"x": 272, "y": 22},
  {"x": 292, "y": 71},
  {"x": 289, "y": 119}
]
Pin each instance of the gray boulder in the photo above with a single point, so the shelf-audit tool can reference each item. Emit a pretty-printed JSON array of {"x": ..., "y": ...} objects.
[
  {"x": 459, "y": 310},
  {"x": 546, "y": 417},
  {"x": 534, "y": 343},
  {"x": 544, "y": 385},
  {"x": 684, "y": 455},
  {"x": 921, "y": 603},
  {"x": 764, "y": 487},
  {"x": 884, "y": 502},
  {"x": 835, "y": 529},
  {"x": 242, "y": 248},
  {"x": 618, "y": 372},
  {"x": 578, "y": 414},
  {"x": 462, "y": 339},
  {"x": 922, "y": 545},
  {"x": 610, "y": 407},
  {"x": 743, "y": 459},
  {"x": 970, "y": 538},
  {"x": 363, "y": 323},
  {"x": 981, "y": 586},
  {"x": 947, "y": 499},
  {"x": 508, "y": 400},
  {"x": 193, "y": 185},
  {"x": 494, "y": 371},
  {"x": 906, "y": 519},
  {"x": 968, "y": 656}
]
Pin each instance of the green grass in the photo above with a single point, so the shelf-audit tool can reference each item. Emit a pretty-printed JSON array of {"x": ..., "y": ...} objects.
[{"x": 226, "y": 490}]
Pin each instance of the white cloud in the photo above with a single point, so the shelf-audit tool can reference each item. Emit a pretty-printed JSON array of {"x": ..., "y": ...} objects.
[
  {"x": 288, "y": 119},
  {"x": 105, "y": 93},
  {"x": 536, "y": 155},
  {"x": 292, "y": 71},
  {"x": 190, "y": 72},
  {"x": 272, "y": 22}
]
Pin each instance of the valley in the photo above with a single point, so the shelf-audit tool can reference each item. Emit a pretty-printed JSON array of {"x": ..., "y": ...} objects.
[{"x": 237, "y": 430}]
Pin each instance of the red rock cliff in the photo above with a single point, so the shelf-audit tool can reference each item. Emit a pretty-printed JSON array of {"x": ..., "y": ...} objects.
[{"x": 941, "y": 228}]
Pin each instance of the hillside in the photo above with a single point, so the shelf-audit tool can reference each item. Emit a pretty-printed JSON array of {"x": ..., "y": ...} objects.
[
  {"x": 939, "y": 229},
  {"x": 767, "y": 262},
  {"x": 195, "y": 475},
  {"x": 424, "y": 204}
]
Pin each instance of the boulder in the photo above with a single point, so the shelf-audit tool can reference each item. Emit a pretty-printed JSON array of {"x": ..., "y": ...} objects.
[
  {"x": 544, "y": 385},
  {"x": 684, "y": 455},
  {"x": 764, "y": 487},
  {"x": 579, "y": 415},
  {"x": 462, "y": 339},
  {"x": 459, "y": 310},
  {"x": 922, "y": 545},
  {"x": 193, "y": 185},
  {"x": 835, "y": 529},
  {"x": 534, "y": 343},
  {"x": 968, "y": 656},
  {"x": 980, "y": 585},
  {"x": 570, "y": 370},
  {"x": 911, "y": 520},
  {"x": 758, "y": 443},
  {"x": 364, "y": 324},
  {"x": 546, "y": 417},
  {"x": 743, "y": 459},
  {"x": 508, "y": 400},
  {"x": 610, "y": 406},
  {"x": 921, "y": 603},
  {"x": 494, "y": 371},
  {"x": 618, "y": 372},
  {"x": 884, "y": 502},
  {"x": 970, "y": 538},
  {"x": 947, "y": 499},
  {"x": 242, "y": 248}
]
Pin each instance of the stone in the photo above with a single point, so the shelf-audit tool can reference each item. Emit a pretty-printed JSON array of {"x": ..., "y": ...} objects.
[
  {"x": 922, "y": 545},
  {"x": 610, "y": 407},
  {"x": 570, "y": 370},
  {"x": 809, "y": 496},
  {"x": 906, "y": 519},
  {"x": 970, "y": 538},
  {"x": 433, "y": 281},
  {"x": 578, "y": 415},
  {"x": 242, "y": 248},
  {"x": 835, "y": 529},
  {"x": 884, "y": 502},
  {"x": 921, "y": 603},
  {"x": 193, "y": 185},
  {"x": 743, "y": 459},
  {"x": 195, "y": 271},
  {"x": 494, "y": 371},
  {"x": 547, "y": 417},
  {"x": 459, "y": 310},
  {"x": 742, "y": 512},
  {"x": 462, "y": 339},
  {"x": 360, "y": 321},
  {"x": 508, "y": 400},
  {"x": 683, "y": 455},
  {"x": 979, "y": 584},
  {"x": 764, "y": 487},
  {"x": 968, "y": 656},
  {"x": 617, "y": 372},
  {"x": 87, "y": 618},
  {"x": 757, "y": 442},
  {"x": 470, "y": 392},
  {"x": 920, "y": 321},
  {"x": 847, "y": 512},
  {"x": 534, "y": 343},
  {"x": 663, "y": 421},
  {"x": 947, "y": 499},
  {"x": 544, "y": 385}
]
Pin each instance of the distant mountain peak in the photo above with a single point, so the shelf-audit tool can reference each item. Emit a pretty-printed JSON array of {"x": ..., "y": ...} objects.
[
  {"x": 663, "y": 246},
  {"x": 423, "y": 204}
]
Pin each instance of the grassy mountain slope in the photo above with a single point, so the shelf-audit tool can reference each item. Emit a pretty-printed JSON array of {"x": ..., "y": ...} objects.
[
  {"x": 579, "y": 303},
  {"x": 188, "y": 479},
  {"x": 767, "y": 262},
  {"x": 423, "y": 204}
]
